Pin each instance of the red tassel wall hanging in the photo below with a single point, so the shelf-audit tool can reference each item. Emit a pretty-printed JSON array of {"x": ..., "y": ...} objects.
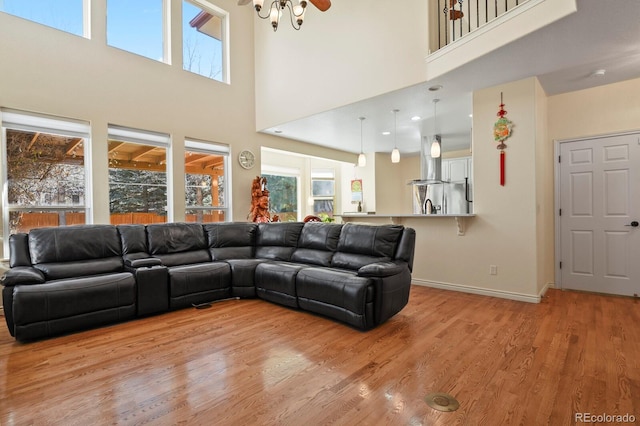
[{"x": 502, "y": 131}]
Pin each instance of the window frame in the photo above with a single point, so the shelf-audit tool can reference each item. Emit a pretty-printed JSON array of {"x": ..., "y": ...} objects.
[
  {"x": 205, "y": 147},
  {"x": 149, "y": 138},
  {"x": 224, "y": 31},
  {"x": 166, "y": 34},
  {"x": 287, "y": 172},
  {"x": 49, "y": 124},
  {"x": 86, "y": 20}
]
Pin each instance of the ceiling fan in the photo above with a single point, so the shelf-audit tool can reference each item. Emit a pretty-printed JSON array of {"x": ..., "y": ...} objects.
[{"x": 322, "y": 5}]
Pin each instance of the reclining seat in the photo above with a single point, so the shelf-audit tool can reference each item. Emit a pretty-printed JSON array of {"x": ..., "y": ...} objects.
[
  {"x": 234, "y": 243},
  {"x": 275, "y": 281},
  {"x": 193, "y": 278},
  {"x": 66, "y": 279},
  {"x": 369, "y": 278}
]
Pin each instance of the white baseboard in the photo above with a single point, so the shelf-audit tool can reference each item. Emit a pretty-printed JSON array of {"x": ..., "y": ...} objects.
[{"x": 521, "y": 297}]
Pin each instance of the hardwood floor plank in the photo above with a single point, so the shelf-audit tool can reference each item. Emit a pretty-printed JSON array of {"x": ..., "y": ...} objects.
[{"x": 251, "y": 362}]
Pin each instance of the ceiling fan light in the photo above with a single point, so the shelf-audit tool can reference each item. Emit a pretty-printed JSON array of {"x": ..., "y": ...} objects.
[
  {"x": 395, "y": 155},
  {"x": 362, "y": 160}
]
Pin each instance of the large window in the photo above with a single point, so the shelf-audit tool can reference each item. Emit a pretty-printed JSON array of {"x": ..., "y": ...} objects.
[
  {"x": 204, "y": 39},
  {"x": 138, "y": 26},
  {"x": 206, "y": 182},
  {"x": 137, "y": 176},
  {"x": 45, "y": 175},
  {"x": 284, "y": 193},
  {"x": 323, "y": 192},
  {"x": 71, "y": 16}
]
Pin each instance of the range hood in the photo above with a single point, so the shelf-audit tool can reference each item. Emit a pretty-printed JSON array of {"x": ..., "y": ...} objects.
[{"x": 430, "y": 168}]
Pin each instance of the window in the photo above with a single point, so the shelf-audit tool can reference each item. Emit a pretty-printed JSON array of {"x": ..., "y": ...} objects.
[
  {"x": 138, "y": 27},
  {"x": 323, "y": 191},
  {"x": 284, "y": 192},
  {"x": 137, "y": 176},
  {"x": 204, "y": 40},
  {"x": 66, "y": 15},
  {"x": 206, "y": 179},
  {"x": 45, "y": 175}
]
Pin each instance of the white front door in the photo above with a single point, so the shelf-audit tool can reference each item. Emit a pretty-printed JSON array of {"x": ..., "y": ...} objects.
[{"x": 600, "y": 210}]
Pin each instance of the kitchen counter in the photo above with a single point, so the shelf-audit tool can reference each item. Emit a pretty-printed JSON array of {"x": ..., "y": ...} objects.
[{"x": 395, "y": 218}]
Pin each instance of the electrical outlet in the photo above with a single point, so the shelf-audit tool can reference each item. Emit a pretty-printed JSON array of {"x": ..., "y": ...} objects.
[{"x": 493, "y": 270}]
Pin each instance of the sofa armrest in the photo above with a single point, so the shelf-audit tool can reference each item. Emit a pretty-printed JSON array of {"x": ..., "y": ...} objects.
[
  {"x": 143, "y": 263},
  {"x": 22, "y": 275},
  {"x": 382, "y": 269}
]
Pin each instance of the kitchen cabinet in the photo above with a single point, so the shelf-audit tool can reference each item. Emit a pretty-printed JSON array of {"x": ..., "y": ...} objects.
[{"x": 457, "y": 169}]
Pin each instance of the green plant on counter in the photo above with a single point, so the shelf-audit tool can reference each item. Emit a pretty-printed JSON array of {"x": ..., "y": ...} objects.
[{"x": 325, "y": 217}]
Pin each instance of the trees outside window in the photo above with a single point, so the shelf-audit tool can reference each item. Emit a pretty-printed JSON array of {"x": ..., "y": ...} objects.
[
  {"x": 44, "y": 172},
  {"x": 137, "y": 176},
  {"x": 204, "y": 39},
  {"x": 206, "y": 181},
  {"x": 283, "y": 196}
]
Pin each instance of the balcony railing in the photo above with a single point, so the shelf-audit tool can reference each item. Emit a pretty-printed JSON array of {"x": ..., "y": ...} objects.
[{"x": 456, "y": 18}]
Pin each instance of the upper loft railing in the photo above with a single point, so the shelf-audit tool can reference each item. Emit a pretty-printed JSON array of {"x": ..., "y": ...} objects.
[{"x": 456, "y": 18}]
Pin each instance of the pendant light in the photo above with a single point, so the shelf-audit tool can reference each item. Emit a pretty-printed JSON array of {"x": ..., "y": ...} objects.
[
  {"x": 395, "y": 154},
  {"x": 362, "y": 159},
  {"x": 435, "y": 144}
]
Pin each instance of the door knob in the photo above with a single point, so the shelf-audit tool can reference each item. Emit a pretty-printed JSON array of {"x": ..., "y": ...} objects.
[{"x": 634, "y": 224}]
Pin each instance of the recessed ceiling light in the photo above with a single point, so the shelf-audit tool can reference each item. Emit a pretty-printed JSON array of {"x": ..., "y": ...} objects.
[
  {"x": 435, "y": 88},
  {"x": 277, "y": 131},
  {"x": 416, "y": 118},
  {"x": 386, "y": 133},
  {"x": 598, "y": 73}
]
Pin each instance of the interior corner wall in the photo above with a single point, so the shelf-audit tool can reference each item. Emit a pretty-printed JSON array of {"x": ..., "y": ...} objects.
[
  {"x": 335, "y": 59},
  {"x": 545, "y": 210}
]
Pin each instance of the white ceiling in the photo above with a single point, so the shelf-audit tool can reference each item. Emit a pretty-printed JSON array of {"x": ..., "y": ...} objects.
[{"x": 602, "y": 34}]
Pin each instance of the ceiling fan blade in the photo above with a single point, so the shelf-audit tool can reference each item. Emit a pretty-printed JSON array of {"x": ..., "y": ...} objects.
[
  {"x": 243, "y": 2},
  {"x": 323, "y": 5}
]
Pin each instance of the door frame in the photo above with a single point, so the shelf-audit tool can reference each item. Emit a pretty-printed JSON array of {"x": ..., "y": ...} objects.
[{"x": 557, "y": 191}]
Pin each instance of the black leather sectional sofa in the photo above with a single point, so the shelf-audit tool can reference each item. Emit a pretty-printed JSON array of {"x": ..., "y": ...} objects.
[{"x": 71, "y": 278}]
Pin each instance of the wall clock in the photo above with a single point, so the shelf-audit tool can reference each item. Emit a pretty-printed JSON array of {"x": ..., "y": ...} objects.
[{"x": 246, "y": 159}]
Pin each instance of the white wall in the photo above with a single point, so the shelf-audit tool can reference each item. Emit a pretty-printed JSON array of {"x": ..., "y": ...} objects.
[{"x": 355, "y": 50}]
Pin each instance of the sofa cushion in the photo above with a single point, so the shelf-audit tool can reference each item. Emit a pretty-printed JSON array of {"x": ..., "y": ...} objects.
[
  {"x": 72, "y": 243},
  {"x": 277, "y": 240},
  {"x": 276, "y": 282},
  {"x": 338, "y": 294},
  {"x": 317, "y": 243},
  {"x": 19, "y": 250},
  {"x": 134, "y": 239},
  {"x": 64, "y": 305},
  {"x": 184, "y": 258},
  {"x": 231, "y": 240},
  {"x": 164, "y": 238},
  {"x": 363, "y": 244},
  {"x": 80, "y": 268},
  {"x": 195, "y": 284}
]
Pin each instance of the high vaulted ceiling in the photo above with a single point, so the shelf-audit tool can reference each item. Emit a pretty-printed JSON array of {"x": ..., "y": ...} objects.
[{"x": 601, "y": 35}]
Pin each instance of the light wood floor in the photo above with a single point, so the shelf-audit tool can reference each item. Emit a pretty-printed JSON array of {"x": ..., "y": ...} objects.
[{"x": 249, "y": 362}]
